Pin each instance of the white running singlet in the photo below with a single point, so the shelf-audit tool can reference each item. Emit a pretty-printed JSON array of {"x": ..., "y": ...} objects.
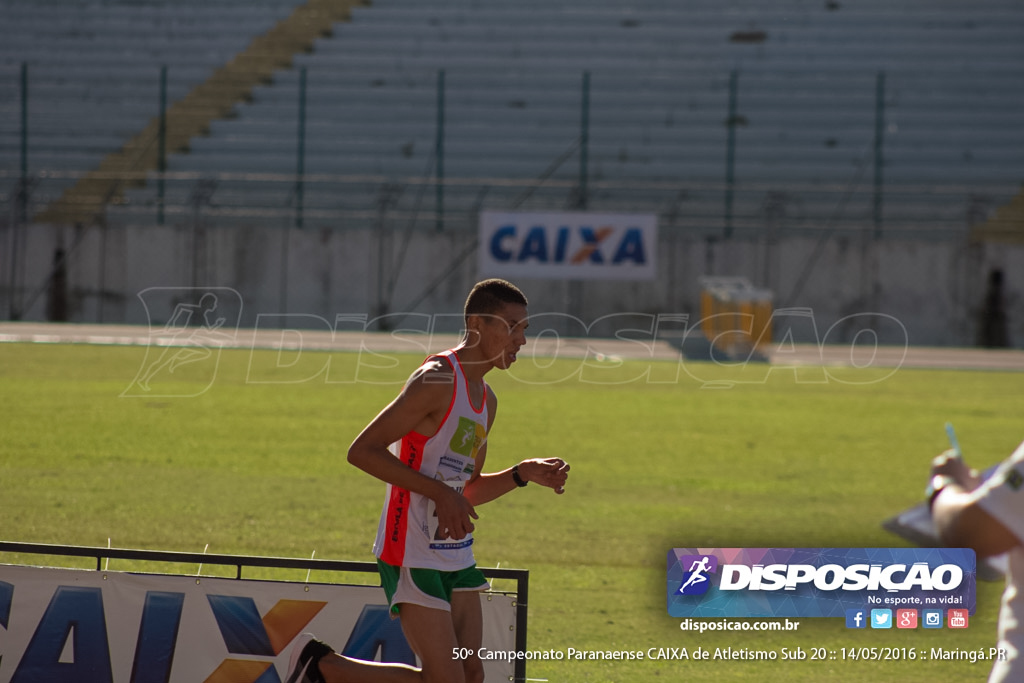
[{"x": 407, "y": 535}]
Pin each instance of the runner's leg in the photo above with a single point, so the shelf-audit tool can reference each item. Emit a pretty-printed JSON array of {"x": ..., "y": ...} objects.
[
  {"x": 431, "y": 634},
  {"x": 468, "y": 619}
]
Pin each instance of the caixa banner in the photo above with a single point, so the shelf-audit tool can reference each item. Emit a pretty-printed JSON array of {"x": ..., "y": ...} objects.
[
  {"x": 75, "y": 626},
  {"x": 568, "y": 245},
  {"x": 817, "y": 582}
]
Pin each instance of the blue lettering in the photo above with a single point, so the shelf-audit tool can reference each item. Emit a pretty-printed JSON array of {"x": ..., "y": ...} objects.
[
  {"x": 499, "y": 252},
  {"x": 6, "y": 596},
  {"x": 74, "y": 614},
  {"x": 534, "y": 246},
  {"x": 631, "y": 248},
  {"x": 561, "y": 244},
  {"x": 375, "y": 629},
  {"x": 158, "y": 634},
  {"x": 241, "y": 625},
  {"x": 545, "y": 244}
]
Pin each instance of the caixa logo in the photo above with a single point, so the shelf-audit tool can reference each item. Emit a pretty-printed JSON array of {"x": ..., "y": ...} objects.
[
  {"x": 71, "y": 642},
  {"x": 582, "y": 244},
  {"x": 568, "y": 244},
  {"x": 816, "y": 582}
]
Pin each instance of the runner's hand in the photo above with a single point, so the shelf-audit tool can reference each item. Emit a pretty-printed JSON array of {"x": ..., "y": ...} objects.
[
  {"x": 550, "y": 472},
  {"x": 455, "y": 514}
]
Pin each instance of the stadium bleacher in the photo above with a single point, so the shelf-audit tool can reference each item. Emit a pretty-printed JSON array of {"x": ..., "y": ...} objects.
[
  {"x": 93, "y": 71},
  {"x": 806, "y": 78},
  {"x": 659, "y": 88}
]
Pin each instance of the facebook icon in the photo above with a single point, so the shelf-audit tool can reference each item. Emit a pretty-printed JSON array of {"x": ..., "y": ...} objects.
[{"x": 856, "y": 618}]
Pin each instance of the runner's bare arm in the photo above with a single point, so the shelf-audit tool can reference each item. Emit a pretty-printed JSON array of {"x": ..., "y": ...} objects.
[
  {"x": 419, "y": 407},
  {"x": 549, "y": 472},
  {"x": 483, "y": 488}
]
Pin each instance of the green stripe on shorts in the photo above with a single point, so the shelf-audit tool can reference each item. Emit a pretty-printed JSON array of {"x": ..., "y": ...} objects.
[{"x": 434, "y": 582}]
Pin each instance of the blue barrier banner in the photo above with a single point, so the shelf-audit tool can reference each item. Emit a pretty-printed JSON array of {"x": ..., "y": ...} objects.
[
  {"x": 817, "y": 582},
  {"x": 115, "y": 627}
]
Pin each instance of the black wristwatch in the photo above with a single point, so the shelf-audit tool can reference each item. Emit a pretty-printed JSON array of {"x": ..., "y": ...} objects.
[{"x": 520, "y": 482}]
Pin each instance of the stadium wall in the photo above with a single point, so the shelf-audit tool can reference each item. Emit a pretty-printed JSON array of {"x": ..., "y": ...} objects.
[{"x": 935, "y": 290}]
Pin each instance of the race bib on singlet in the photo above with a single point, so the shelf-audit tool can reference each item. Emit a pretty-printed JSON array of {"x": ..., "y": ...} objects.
[{"x": 439, "y": 540}]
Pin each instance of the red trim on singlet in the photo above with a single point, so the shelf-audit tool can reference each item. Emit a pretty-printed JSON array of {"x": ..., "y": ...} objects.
[
  {"x": 398, "y": 505},
  {"x": 411, "y": 450}
]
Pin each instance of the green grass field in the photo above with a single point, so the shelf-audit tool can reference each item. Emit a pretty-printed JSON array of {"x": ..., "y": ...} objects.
[{"x": 259, "y": 468}]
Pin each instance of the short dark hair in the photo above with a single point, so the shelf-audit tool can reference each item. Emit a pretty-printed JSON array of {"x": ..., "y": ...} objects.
[{"x": 488, "y": 296}]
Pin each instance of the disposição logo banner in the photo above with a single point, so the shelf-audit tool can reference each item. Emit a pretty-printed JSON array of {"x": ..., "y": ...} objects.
[{"x": 817, "y": 582}]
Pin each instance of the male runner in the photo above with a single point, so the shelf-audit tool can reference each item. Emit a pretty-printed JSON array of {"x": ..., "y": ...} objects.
[{"x": 429, "y": 445}]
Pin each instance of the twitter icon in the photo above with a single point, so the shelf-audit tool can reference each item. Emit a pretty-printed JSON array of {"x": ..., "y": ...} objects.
[{"x": 881, "y": 618}]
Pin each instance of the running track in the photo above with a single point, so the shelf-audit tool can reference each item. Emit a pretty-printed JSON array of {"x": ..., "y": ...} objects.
[{"x": 544, "y": 346}]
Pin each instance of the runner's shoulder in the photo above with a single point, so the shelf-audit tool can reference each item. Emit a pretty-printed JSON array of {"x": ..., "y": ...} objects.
[{"x": 434, "y": 376}]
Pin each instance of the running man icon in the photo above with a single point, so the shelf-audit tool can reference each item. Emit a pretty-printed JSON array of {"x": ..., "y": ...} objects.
[
  {"x": 185, "y": 344},
  {"x": 698, "y": 571},
  {"x": 192, "y": 338}
]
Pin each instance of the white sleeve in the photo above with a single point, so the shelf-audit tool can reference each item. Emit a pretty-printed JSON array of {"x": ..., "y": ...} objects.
[{"x": 1002, "y": 494}]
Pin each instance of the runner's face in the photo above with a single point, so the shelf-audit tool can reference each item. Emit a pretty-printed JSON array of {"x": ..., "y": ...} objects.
[{"x": 504, "y": 333}]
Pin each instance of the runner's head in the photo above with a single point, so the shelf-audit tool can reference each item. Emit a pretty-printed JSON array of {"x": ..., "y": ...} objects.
[
  {"x": 488, "y": 296},
  {"x": 496, "y": 321}
]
